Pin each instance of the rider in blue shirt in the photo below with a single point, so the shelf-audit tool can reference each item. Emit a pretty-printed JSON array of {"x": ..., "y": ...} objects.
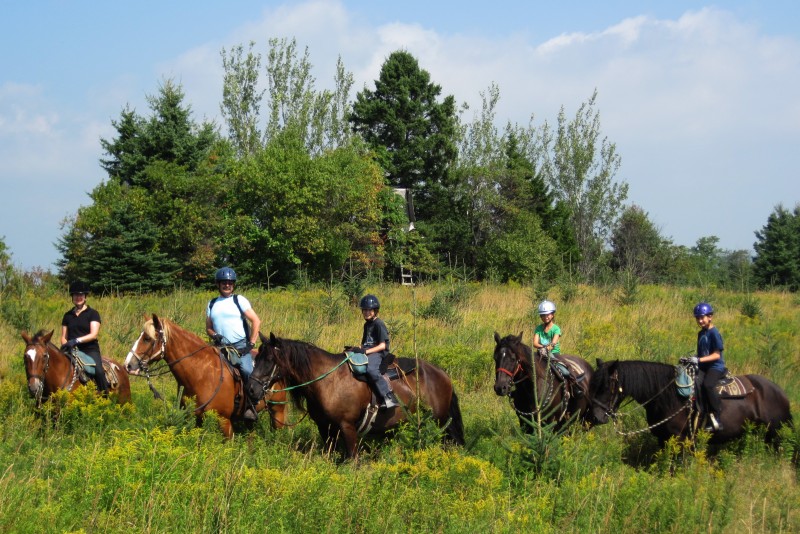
[{"x": 710, "y": 363}]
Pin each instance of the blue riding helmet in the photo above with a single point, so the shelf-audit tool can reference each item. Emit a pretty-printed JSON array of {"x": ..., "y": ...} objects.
[
  {"x": 703, "y": 309},
  {"x": 225, "y": 274},
  {"x": 369, "y": 302}
]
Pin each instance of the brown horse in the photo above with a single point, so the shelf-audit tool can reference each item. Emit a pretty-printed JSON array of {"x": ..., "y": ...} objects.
[
  {"x": 340, "y": 404},
  {"x": 48, "y": 369},
  {"x": 550, "y": 398},
  {"x": 201, "y": 370},
  {"x": 653, "y": 385}
]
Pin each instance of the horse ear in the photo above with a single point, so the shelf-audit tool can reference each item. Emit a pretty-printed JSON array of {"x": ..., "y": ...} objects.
[
  {"x": 497, "y": 338},
  {"x": 519, "y": 337},
  {"x": 47, "y": 337},
  {"x": 600, "y": 363},
  {"x": 273, "y": 339},
  {"x": 25, "y": 336},
  {"x": 262, "y": 337},
  {"x": 156, "y": 322}
]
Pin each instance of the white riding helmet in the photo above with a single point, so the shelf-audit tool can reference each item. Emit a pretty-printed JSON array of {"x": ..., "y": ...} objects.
[{"x": 546, "y": 307}]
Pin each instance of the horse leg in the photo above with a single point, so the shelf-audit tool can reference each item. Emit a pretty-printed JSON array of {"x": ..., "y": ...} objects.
[
  {"x": 226, "y": 426},
  {"x": 350, "y": 440}
]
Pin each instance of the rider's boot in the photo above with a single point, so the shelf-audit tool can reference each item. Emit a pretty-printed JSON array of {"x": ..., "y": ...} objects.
[{"x": 715, "y": 423}]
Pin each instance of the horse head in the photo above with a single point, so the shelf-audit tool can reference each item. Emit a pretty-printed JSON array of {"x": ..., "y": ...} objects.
[
  {"x": 265, "y": 368},
  {"x": 37, "y": 359},
  {"x": 148, "y": 347},
  {"x": 510, "y": 363},
  {"x": 605, "y": 391}
]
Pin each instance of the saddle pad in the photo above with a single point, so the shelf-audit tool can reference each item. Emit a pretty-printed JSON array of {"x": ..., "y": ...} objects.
[
  {"x": 739, "y": 387},
  {"x": 357, "y": 362},
  {"x": 573, "y": 368},
  {"x": 86, "y": 362}
]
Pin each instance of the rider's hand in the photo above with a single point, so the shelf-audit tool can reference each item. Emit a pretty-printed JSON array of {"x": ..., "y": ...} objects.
[
  {"x": 217, "y": 339},
  {"x": 359, "y": 350},
  {"x": 71, "y": 343},
  {"x": 694, "y": 360}
]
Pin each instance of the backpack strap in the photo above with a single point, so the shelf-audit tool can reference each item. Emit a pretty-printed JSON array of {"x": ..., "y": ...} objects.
[
  {"x": 241, "y": 312},
  {"x": 244, "y": 319}
]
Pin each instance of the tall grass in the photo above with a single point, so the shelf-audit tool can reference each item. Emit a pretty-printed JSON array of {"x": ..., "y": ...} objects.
[{"x": 83, "y": 463}]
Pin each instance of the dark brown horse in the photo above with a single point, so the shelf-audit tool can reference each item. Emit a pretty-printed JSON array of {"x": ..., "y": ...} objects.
[
  {"x": 653, "y": 385},
  {"x": 48, "y": 369},
  {"x": 201, "y": 370},
  {"x": 550, "y": 398},
  {"x": 323, "y": 384}
]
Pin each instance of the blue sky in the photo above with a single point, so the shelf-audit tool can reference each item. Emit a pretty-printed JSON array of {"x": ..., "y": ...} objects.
[{"x": 701, "y": 99}]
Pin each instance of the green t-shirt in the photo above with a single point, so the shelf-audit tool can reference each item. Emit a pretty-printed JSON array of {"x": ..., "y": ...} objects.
[{"x": 546, "y": 337}]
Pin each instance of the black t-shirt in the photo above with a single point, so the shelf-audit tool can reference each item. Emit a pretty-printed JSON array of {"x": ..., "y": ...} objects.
[
  {"x": 80, "y": 325},
  {"x": 375, "y": 333}
]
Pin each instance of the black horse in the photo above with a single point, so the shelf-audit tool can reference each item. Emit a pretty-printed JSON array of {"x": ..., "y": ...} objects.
[
  {"x": 339, "y": 404},
  {"x": 551, "y": 396},
  {"x": 653, "y": 385}
]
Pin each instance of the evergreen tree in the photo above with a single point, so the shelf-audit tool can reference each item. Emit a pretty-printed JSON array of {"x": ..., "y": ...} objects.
[
  {"x": 126, "y": 258},
  {"x": 163, "y": 170},
  {"x": 411, "y": 132},
  {"x": 777, "y": 260}
]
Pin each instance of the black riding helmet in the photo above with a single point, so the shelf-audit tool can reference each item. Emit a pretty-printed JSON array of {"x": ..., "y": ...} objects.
[
  {"x": 78, "y": 286},
  {"x": 369, "y": 302}
]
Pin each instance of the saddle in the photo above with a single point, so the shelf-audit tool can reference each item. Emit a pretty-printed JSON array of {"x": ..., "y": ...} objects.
[
  {"x": 86, "y": 369},
  {"x": 231, "y": 357},
  {"x": 390, "y": 367},
  {"x": 568, "y": 371},
  {"x": 728, "y": 387}
]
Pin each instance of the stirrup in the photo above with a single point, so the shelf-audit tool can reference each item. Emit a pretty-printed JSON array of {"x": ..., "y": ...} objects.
[{"x": 390, "y": 401}]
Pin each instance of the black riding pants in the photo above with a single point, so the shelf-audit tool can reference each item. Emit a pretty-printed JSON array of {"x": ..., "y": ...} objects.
[
  {"x": 710, "y": 379},
  {"x": 99, "y": 372}
]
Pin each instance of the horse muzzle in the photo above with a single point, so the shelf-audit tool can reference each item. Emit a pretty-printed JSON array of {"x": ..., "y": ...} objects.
[{"x": 35, "y": 387}]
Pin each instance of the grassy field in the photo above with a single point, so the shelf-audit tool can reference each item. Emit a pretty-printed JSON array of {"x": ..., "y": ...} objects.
[{"x": 144, "y": 467}]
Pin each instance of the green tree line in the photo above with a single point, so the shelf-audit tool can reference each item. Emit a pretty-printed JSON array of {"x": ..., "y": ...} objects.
[{"x": 300, "y": 188}]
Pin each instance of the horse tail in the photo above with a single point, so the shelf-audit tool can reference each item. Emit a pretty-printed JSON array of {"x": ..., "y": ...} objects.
[{"x": 455, "y": 430}]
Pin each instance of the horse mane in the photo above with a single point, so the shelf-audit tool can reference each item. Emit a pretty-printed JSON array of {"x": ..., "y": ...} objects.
[
  {"x": 646, "y": 381},
  {"x": 297, "y": 356}
]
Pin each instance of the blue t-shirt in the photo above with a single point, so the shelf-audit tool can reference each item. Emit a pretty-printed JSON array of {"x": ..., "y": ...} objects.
[{"x": 709, "y": 341}]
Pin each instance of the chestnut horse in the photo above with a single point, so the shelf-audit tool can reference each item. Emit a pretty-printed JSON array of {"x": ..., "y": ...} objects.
[
  {"x": 653, "y": 385},
  {"x": 48, "y": 369},
  {"x": 339, "y": 403},
  {"x": 550, "y": 397},
  {"x": 201, "y": 370}
]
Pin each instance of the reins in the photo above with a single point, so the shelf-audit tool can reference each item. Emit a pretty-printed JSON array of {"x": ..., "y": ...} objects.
[
  {"x": 162, "y": 338},
  {"x": 317, "y": 379},
  {"x": 614, "y": 414}
]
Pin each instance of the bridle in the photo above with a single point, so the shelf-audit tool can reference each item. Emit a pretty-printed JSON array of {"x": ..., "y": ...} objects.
[
  {"x": 41, "y": 377},
  {"x": 518, "y": 368},
  {"x": 610, "y": 408},
  {"x": 160, "y": 341},
  {"x": 615, "y": 400},
  {"x": 550, "y": 388}
]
